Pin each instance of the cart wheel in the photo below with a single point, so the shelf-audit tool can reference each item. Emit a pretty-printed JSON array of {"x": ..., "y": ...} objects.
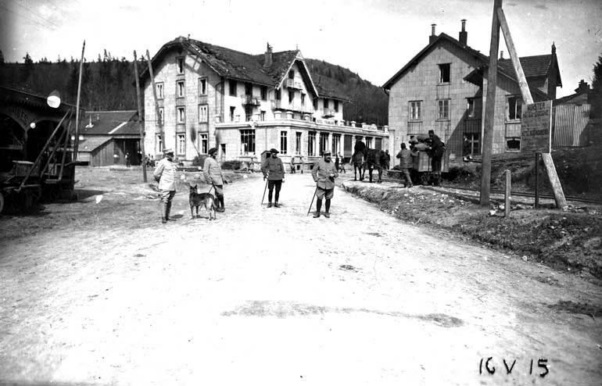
[{"x": 1, "y": 202}]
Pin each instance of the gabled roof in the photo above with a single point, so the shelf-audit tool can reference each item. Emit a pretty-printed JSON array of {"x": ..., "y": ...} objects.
[
  {"x": 110, "y": 123},
  {"x": 476, "y": 77},
  {"x": 239, "y": 66},
  {"x": 89, "y": 144},
  {"x": 533, "y": 66},
  {"x": 416, "y": 59}
]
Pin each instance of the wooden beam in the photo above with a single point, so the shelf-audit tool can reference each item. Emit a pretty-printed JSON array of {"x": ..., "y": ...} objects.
[
  {"x": 79, "y": 89},
  {"x": 158, "y": 116},
  {"x": 554, "y": 180},
  {"x": 490, "y": 107},
  {"x": 518, "y": 68},
  {"x": 140, "y": 118}
]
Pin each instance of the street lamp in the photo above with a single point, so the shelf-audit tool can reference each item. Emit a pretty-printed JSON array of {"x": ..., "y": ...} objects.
[{"x": 54, "y": 99}]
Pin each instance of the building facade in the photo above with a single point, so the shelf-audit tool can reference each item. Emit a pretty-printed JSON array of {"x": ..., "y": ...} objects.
[
  {"x": 209, "y": 96},
  {"x": 443, "y": 88}
]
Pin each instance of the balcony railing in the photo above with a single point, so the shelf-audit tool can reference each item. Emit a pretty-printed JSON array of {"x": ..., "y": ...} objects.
[
  {"x": 250, "y": 100},
  {"x": 328, "y": 113},
  {"x": 291, "y": 83}
]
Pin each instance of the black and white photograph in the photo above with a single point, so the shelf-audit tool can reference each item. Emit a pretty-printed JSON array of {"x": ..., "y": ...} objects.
[{"x": 277, "y": 192}]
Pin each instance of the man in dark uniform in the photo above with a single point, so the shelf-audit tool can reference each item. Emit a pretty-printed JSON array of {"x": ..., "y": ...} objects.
[
  {"x": 273, "y": 169},
  {"x": 324, "y": 172},
  {"x": 437, "y": 148}
]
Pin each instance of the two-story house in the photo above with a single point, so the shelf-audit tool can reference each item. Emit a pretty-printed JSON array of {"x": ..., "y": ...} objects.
[
  {"x": 443, "y": 88},
  {"x": 243, "y": 104}
]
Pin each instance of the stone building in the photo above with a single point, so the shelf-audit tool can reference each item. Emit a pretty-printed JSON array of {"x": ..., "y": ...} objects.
[
  {"x": 444, "y": 88},
  {"x": 244, "y": 104}
]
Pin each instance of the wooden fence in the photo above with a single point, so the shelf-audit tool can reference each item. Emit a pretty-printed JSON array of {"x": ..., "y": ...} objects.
[{"x": 569, "y": 124}]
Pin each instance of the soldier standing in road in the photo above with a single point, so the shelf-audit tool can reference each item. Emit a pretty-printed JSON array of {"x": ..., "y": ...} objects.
[
  {"x": 273, "y": 169},
  {"x": 165, "y": 175},
  {"x": 212, "y": 171},
  {"x": 324, "y": 172},
  {"x": 405, "y": 163}
]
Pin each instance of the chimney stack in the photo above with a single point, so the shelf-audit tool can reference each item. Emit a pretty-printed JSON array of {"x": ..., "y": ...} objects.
[
  {"x": 463, "y": 34},
  {"x": 268, "y": 57},
  {"x": 583, "y": 87},
  {"x": 501, "y": 54},
  {"x": 433, "y": 36}
]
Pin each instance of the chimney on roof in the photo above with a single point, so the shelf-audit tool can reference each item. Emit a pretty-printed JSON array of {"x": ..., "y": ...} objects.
[
  {"x": 583, "y": 87},
  {"x": 268, "y": 57},
  {"x": 501, "y": 54},
  {"x": 433, "y": 36},
  {"x": 463, "y": 34},
  {"x": 553, "y": 49}
]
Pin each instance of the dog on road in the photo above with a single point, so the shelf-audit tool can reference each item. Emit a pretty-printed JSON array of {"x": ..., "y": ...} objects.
[{"x": 206, "y": 200}]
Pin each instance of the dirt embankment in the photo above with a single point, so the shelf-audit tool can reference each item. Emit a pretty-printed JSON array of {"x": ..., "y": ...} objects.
[{"x": 569, "y": 240}]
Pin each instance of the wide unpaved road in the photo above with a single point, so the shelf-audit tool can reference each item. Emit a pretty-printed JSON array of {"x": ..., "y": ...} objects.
[{"x": 274, "y": 297}]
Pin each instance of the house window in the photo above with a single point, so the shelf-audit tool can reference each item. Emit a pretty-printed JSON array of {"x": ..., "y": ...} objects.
[
  {"x": 302, "y": 99},
  {"x": 316, "y": 104},
  {"x": 158, "y": 143},
  {"x": 336, "y": 106},
  {"x": 159, "y": 88},
  {"x": 472, "y": 144},
  {"x": 336, "y": 144},
  {"x": 203, "y": 113},
  {"x": 264, "y": 93},
  {"x": 277, "y": 95},
  {"x": 232, "y": 110},
  {"x": 202, "y": 86},
  {"x": 180, "y": 89},
  {"x": 181, "y": 114},
  {"x": 283, "y": 142},
  {"x": 323, "y": 143},
  {"x": 204, "y": 143},
  {"x": 443, "y": 109},
  {"x": 248, "y": 89},
  {"x": 291, "y": 74},
  {"x": 232, "y": 87},
  {"x": 444, "y": 73},
  {"x": 325, "y": 103},
  {"x": 262, "y": 115},
  {"x": 369, "y": 142},
  {"x": 298, "y": 143},
  {"x": 248, "y": 113},
  {"x": 311, "y": 144},
  {"x": 473, "y": 107},
  {"x": 514, "y": 108},
  {"x": 291, "y": 96},
  {"x": 181, "y": 148},
  {"x": 512, "y": 144},
  {"x": 247, "y": 140},
  {"x": 180, "y": 64},
  {"x": 415, "y": 110},
  {"x": 161, "y": 120}
]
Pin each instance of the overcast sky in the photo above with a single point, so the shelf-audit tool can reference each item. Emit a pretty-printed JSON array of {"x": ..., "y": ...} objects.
[{"x": 374, "y": 38}]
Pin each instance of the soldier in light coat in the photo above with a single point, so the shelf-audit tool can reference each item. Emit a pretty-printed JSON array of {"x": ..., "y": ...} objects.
[
  {"x": 165, "y": 175},
  {"x": 324, "y": 172},
  {"x": 273, "y": 169},
  {"x": 212, "y": 171}
]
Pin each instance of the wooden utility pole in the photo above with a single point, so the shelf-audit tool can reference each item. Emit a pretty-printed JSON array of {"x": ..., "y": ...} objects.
[
  {"x": 158, "y": 121},
  {"x": 140, "y": 118},
  {"x": 79, "y": 89},
  {"x": 490, "y": 106}
]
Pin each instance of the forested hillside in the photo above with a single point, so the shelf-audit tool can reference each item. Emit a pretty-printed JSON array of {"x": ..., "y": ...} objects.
[{"x": 108, "y": 84}]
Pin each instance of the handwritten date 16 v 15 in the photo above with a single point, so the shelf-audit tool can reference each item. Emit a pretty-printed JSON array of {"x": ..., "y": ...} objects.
[{"x": 487, "y": 365}]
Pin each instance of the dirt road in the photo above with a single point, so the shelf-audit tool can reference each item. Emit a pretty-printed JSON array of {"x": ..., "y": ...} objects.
[{"x": 275, "y": 297}]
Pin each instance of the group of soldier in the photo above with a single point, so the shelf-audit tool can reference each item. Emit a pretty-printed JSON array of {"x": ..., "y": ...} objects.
[
  {"x": 408, "y": 157},
  {"x": 324, "y": 173}
]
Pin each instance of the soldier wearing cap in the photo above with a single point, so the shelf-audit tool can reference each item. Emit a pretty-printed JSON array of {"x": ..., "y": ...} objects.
[
  {"x": 273, "y": 169},
  {"x": 324, "y": 172},
  {"x": 165, "y": 175},
  {"x": 212, "y": 172}
]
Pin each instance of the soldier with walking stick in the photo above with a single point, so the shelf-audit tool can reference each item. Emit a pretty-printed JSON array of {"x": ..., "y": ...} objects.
[
  {"x": 273, "y": 169},
  {"x": 324, "y": 172}
]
